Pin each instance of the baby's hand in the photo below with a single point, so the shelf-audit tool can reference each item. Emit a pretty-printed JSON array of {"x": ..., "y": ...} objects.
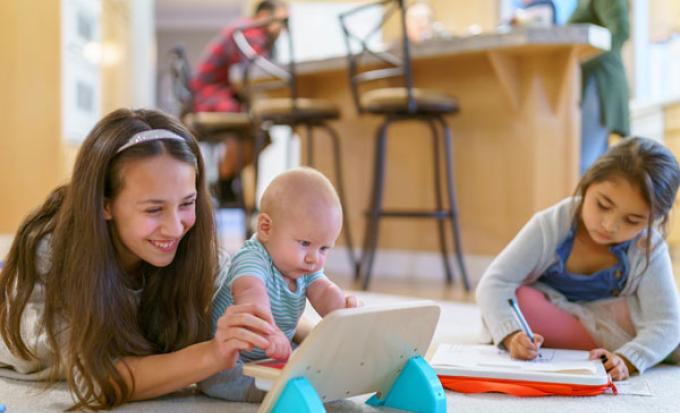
[
  {"x": 520, "y": 346},
  {"x": 351, "y": 301},
  {"x": 279, "y": 346},
  {"x": 618, "y": 367}
]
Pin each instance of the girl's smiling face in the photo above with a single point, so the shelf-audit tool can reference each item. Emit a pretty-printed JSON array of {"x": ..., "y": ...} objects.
[
  {"x": 153, "y": 210},
  {"x": 614, "y": 211}
]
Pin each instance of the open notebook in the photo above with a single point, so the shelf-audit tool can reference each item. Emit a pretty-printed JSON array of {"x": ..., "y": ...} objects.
[{"x": 486, "y": 368}]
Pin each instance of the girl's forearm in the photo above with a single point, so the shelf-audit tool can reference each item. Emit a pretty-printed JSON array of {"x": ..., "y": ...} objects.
[{"x": 160, "y": 374}]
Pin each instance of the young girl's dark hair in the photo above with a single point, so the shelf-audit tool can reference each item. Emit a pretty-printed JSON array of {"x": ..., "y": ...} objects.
[
  {"x": 645, "y": 164},
  {"x": 91, "y": 316}
]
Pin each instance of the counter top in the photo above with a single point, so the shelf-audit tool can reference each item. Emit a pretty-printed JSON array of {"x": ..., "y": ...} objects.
[{"x": 586, "y": 34}]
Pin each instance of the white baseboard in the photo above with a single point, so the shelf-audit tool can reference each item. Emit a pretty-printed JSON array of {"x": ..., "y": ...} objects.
[
  {"x": 404, "y": 265},
  {"x": 5, "y": 244},
  {"x": 410, "y": 265}
]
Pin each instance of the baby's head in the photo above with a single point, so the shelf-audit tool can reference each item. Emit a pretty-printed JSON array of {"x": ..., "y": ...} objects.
[{"x": 300, "y": 219}]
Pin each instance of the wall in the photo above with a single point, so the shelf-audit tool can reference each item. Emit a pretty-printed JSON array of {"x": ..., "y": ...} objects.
[
  {"x": 142, "y": 41},
  {"x": 30, "y": 148},
  {"x": 458, "y": 15},
  {"x": 671, "y": 114},
  {"x": 129, "y": 61},
  {"x": 116, "y": 61},
  {"x": 33, "y": 155},
  {"x": 664, "y": 19}
]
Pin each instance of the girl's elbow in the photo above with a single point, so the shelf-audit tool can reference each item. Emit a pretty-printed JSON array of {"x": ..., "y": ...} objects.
[{"x": 482, "y": 286}]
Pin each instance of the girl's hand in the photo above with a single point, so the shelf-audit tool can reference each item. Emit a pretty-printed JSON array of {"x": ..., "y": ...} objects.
[
  {"x": 617, "y": 366},
  {"x": 241, "y": 327},
  {"x": 520, "y": 347},
  {"x": 279, "y": 346}
]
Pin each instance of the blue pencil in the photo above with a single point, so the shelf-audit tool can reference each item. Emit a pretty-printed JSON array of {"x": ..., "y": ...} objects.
[{"x": 520, "y": 319}]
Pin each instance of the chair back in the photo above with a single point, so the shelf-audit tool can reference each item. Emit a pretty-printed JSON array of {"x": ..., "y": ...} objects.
[
  {"x": 180, "y": 72},
  {"x": 274, "y": 76},
  {"x": 393, "y": 65}
]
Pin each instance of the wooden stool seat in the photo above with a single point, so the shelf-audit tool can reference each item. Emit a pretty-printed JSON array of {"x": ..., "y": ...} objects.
[
  {"x": 287, "y": 110},
  {"x": 209, "y": 126},
  {"x": 395, "y": 100}
]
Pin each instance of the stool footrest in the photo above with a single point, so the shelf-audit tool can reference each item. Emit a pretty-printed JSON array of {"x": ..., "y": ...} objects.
[{"x": 438, "y": 214}]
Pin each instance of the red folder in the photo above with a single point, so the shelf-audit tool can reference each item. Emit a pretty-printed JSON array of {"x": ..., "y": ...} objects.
[
  {"x": 486, "y": 369},
  {"x": 522, "y": 388}
]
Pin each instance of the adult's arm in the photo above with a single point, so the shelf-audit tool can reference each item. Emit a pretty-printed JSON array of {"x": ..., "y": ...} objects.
[{"x": 242, "y": 327}]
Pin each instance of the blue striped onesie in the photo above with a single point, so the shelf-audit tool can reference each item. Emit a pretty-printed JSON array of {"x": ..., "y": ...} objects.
[{"x": 287, "y": 306}]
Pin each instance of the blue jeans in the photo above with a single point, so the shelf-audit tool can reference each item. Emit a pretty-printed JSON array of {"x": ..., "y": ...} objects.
[
  {"x": 594, "y": 136},
  {"x": 232, "y": 385}
]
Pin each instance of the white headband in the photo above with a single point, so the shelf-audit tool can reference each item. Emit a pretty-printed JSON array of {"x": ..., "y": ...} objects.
[{"x": 150, "y": 135}]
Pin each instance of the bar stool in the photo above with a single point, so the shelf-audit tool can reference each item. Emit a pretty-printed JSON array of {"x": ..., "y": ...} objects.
[
  {"x": 292, "y": 111},
  {"x": 399, "y": 104},
  {"x": 213, "y": 127}
]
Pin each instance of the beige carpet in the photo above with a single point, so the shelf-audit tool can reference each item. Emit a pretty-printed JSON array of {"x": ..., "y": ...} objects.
[{"x": 459, "y": 323}]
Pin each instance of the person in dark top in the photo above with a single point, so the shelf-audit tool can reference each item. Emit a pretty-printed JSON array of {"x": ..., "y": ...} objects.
[{"x": 604, "y": 102}]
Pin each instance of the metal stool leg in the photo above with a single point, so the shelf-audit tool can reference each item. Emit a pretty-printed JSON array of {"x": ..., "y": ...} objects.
[
  {"x": 289, "y": 147},
  {"x": 346, "y": 228},
  {"x": 310, "y": 144},
  {"x": 448, "y": 153},
  {"x": 371, "y": 235},
  {"x": 438, "y": 199},
  {"x": 259, "y": 133},
  {"x": 238, "y": 182}
]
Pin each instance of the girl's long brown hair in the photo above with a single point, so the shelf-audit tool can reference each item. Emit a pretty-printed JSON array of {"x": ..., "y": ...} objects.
[
  {"x": 86, "y": 289},
  {"x": 645, "y": 164}
]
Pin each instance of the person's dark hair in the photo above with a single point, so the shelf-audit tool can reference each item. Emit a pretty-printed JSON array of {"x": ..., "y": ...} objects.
[
  {"x": 645, "y": 164},
  {"x": 268, "y": 6},
  {"x": 86, "y": 289}
]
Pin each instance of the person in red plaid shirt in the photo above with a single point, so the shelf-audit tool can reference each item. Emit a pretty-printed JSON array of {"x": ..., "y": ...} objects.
[
  {"x": 212, "y": 91},
  {"x": 211, "y": 87}
]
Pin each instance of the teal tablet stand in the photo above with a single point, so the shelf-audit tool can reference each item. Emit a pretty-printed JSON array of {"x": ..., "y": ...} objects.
[
  {"x": 298, "y": 396},
  {"x": 367, "y": 350},
  {"x": 417, "y": 390}
]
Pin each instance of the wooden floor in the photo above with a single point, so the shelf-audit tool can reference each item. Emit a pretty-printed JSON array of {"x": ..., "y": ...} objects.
[
  {"x": 426, "y": 288},
  {"x": 422, "y": 288}
]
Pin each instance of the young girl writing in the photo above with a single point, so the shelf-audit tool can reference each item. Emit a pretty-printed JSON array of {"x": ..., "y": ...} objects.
[
  {"x": 593, "y": 272},
  {"x": 109, "y": 283}
]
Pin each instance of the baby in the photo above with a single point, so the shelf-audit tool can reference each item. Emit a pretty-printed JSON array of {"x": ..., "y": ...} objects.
[{"x": 281, "y": 266}]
